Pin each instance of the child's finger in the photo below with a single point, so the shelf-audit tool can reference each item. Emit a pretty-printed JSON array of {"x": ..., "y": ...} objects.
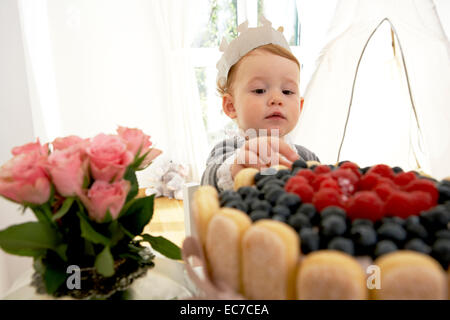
[
  {"x": 284, "y": 149},
  {"x": 250, "y": 159}
]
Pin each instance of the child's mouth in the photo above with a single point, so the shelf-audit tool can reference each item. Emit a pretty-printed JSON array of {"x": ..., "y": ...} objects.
[{"x": 276, "y": 116}]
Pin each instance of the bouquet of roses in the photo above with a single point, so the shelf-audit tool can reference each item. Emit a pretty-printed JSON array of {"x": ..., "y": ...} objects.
[{"x": 84, "y": 193}]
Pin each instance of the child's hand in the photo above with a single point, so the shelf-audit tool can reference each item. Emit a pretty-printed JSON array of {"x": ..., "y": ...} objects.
[{"x": 263, "y": 152}]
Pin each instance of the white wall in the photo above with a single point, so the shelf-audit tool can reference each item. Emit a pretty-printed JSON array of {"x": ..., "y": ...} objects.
[{"x": 15, "y": 125}]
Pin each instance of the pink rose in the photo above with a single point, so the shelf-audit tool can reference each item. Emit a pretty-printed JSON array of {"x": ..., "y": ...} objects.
[
  {"x": 67, "y": 169},
  {"x": 31, "y": 147},
  {"x": 136, "y": 141},
  {"x": 108, "y": 157},
  {"x": 66, "y": 142},
  {"x": 23, "y": 179},
  {"x": 103, "y": 196}
]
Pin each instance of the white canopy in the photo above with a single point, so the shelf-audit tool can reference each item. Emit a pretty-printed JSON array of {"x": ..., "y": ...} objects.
[{"x": 381, "y": 89}]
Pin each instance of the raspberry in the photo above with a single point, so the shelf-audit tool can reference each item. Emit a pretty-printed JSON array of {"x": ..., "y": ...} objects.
[
  {"x": 365, "y": 205},
  {"x": 329, "y": 183},
  {"x": 424, "y": 185},
  {"x": 308, "y": 174},
  {"x": 347, "y": 174},
  {"x": 422, "y": 201},
  {"x": 400, "y": 204},
  {"x": 352, "y": 166},
  {"x": 384, "y": 190},
  {"x": 383, "y": 170},
  {"x": 321, "y": 169},
  {"x": 327, "y": 197},
  {"x": 368, "y": 181},
  {"x": 384, "y": 180},
  {"x": 300, "y": 187},
  {"x": 404, "y": 178},
  {"x": 319, "y": 179}
]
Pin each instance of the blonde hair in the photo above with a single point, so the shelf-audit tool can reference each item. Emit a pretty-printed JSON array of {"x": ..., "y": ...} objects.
[{"x": 271, "y": 48}]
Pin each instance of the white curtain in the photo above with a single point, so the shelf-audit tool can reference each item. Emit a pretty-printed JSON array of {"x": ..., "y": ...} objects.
[
  {"x": 96, "y": 64},
  {"x": 187, "y": 135}
]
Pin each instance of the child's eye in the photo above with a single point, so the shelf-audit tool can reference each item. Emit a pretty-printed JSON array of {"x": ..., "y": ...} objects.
[
  {"x": 288, "y": 92},
  {"x": 259, "y": 91}
]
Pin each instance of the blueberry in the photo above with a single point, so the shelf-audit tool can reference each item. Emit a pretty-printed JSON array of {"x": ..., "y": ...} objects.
[
  {"x": 444, "y": 192},
  {"x": 312, "y": 167},
  {"x": 436, "y": 218},
  {"x": 262, "y": 182},
  {"x": 397, "y": 220},
  {"x": 273, "y": 194},
  {"x": 332, "y": 226},
  {"x": 282, "y": 173},
  {"x": 273, "y": 182},
  {"x": 342, "y": 244},
  {"x": 365, "y": 222},
  {"x": 397, "y": 170},
  {"x": 269, "y": 186},
  {"x": 333, "y": 210},
  {"x": 309, "y": 240},
  {"x": 262, "y": 205},
  {"x": 248, "y": 192},
  {"x": 442, "y": 234},
  {"x": 226, "y": 193},
  {"x": 286, "y": 177},
  {"x": 416, "y": 230},
  {"x": 279, "y": 217},
  {"x": 281, "y": 210},
  {"x": 412, "y": 220},
  {"x": 441, "y": 252},
  {"x": 392, "y": 231},
  {"x": 290, "y": 200},
  {"x": 259, "y": 214},
  {"x": 383, "y": 247},
  {"x": 299, "y": 164},
  {"x": 228, "y": 197},
  {"x": 418, "y": 245},
  {"x": 310, "y": 211},
  {"x": 258, "y": 176},
  {"x": 237, "y": 204},
  {"x": 364, "y": 237},
  {"x": 299, "y": 221}
]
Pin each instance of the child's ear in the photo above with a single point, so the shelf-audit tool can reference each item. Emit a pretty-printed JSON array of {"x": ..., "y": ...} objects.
[
  {"x": 228, "y": 106},
  {"x": 301, "y": 103}
]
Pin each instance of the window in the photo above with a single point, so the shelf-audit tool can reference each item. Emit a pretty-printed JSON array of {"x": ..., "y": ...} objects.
[{"x": 220, "y": 18}]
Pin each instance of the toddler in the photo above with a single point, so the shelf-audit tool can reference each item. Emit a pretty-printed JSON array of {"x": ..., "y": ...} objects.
[{"x": 258, "y": 79}]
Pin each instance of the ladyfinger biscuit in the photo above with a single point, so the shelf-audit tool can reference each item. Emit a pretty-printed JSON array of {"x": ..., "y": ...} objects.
[
  {"x": 245, "y": 177},
  {"x": 206, "y": 204},
  {"x": 311, "y": 163},
  {"x": 330, "y": 275},
  {"x": 223, "y": 246},
  {"x": 410, "y": 275},
  {"x": 270, "y": 253}
]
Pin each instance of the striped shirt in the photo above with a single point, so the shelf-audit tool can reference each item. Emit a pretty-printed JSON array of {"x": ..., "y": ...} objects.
[{"x": 218, "y": 173}]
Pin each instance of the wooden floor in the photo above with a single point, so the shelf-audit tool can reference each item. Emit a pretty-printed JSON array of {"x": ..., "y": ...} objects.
[{"x": 168, "y": 220}]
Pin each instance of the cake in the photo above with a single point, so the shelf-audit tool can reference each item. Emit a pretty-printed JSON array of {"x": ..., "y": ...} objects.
[{"x": 318, "y": 231}]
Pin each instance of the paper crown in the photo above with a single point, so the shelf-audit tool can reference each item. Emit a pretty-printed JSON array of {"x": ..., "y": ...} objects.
[{"x": 247, "y": 40}]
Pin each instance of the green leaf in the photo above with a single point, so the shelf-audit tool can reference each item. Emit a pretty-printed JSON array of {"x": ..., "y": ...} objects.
[
  {"x": 116, "y": 232},
  {"x": 104, "y": 263},
  {"x": 53, "y": 278},
  {"x": 61, "y": 251},
  {"x": 89, "y": 233},
  {"x": 138, "y": 215},
  {"x": 130, "y": 175},
  {"x": 163, "y": 246},
  {"x": 29, "y": 238},
  {"x": 67, "y": 204}
]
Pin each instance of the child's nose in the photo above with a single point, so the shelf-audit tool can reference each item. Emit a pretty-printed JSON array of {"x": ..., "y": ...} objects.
[{"x": 275, "y": 100}]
